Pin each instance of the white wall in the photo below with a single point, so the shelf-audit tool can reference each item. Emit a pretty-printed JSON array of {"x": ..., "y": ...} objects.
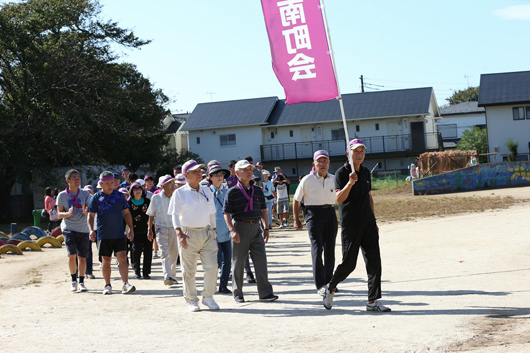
[
  {"x": 248, "y": 141},
  {"x": 501, "y": 126},
  {"x": 463, "y": 122}
]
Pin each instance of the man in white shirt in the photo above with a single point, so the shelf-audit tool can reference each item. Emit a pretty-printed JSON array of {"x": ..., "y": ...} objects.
[
  {"x": 192, "y": 210},
  {"x": 318, "y": 192},
  {"x": 166, "y": 237}
]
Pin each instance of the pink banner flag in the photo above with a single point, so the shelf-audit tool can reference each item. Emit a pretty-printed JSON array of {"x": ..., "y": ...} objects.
[{"x": 300, "y": 51}]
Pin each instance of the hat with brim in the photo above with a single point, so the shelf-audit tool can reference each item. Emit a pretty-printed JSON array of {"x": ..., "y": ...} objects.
[
  {"x": 89, "y": 188},
  {"x": 164, "y": 180},
  {"x": 277, "y": 169},
  {"x": 180, "y": 179},
  {"x": 356, "y": 143},
  {"x": 266, "y": 172},
  {"x": 191, "y": 165},
  {"x": 214, "y": 169},
  {"x": 242, "y": 164},
  {"x": 136, "y": 183},
  {"x": 123, "y": 191},
  {"x": 320, "y": 153}
]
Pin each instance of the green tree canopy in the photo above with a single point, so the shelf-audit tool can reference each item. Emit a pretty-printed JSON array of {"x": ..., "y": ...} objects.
[
  {"x": 64, "y": 97},
  {"x": 475, "y": 139},
  {"x": 465, "y": 95}
]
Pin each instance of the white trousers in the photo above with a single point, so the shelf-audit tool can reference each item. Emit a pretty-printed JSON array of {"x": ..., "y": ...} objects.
[
  {"x": 202, "y": 244},
  {"x": 169, "y": 252}
]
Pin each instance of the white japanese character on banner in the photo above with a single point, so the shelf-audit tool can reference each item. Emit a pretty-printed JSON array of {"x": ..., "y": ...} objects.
[
  {"x": 300, "y": 63},
  {"x": 291, "y": 11},
  {"x": 300, "y": 36}
]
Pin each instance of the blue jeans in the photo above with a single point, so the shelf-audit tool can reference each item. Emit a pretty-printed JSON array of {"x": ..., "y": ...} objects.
[{"x": 224, "y": 261}]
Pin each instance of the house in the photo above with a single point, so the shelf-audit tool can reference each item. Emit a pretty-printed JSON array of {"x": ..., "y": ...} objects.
[
  {"x": 458, "y": 118},
  {"x": 506, "y": 98},
  {"x": 396, "y": 126},
  {"x": 178, "y": 140}
]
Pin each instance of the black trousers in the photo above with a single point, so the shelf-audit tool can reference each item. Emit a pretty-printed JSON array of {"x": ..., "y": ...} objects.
[
  {"x": 322, "y": 228},
  {"x": 142, "y": 245},
  {"x": 366, "y": 237}
]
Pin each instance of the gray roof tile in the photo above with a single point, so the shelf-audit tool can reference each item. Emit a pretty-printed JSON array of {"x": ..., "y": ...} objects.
[
  {"x": 504, "y": 88},
  {"x": 245, "y": 112},
  {"x": 462, "y": 108}
]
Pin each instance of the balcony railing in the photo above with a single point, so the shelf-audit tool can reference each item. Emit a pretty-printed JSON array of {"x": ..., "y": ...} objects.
[{"x": 374, "y": 145}]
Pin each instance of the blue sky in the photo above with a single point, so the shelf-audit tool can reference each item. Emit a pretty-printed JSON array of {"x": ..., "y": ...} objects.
[{"x": 211, "y": 50}]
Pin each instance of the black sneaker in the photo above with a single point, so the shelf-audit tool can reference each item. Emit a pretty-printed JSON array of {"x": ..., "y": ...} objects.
[
  {"x": 147, "y": 277},
  {"x": 138, "y": 276},
  {"x": 250, "y": 278},
  {"x": 239, "y": 299},
  {"x": 269, "y": 298},
  {"x": 225, "y": 290}
]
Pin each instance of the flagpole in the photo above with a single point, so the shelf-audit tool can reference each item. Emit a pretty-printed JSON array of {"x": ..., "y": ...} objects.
[{"x": 346, "y": 135}]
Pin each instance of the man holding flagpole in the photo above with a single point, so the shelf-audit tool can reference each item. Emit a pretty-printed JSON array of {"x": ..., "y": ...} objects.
[{"x": 359, "y": 228}]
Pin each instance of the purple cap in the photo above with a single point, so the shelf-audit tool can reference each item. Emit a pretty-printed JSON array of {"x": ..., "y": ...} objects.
[
  {"x": 320, "y": 153},
  {"x": 356, "y": 143},
  {"x": 89, "y": 188},
  {"x": 148, "y": 176}
]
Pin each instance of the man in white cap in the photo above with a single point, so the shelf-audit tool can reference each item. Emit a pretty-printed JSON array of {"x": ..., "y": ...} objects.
[
  {"x": 166, "y": 237},
  {"x": 180, "y": 180},
  {"x": 244, "y": 210},
  {"x": 359, "y": 228},
  {"x": 192, "y": 210},
  {"x": 317, "y": 190}
]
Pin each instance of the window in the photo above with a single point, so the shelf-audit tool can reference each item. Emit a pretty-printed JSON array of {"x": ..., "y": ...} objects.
[
  {"x": 228, "y": 140},
  {"x": 294, "y": 171},
  {"x": 291, "y": 133},
  {"x": 528, "y": 112},
  {"x": 357, "y": 128},
  {"x": 272, "y": 134},
  {"x": 338, "y": 134},
  {"x": 518, "y": 113},
  {"x": 198, "y": 140},
  {"x": 376, "y": 127}
]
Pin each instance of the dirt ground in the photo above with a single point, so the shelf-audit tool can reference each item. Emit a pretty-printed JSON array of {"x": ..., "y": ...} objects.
[{"x": 455, "y": 284}]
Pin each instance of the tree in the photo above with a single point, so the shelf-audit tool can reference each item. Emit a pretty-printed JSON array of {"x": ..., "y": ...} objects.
[
  {"x": 469, "y": 94},
  {"x": 512, "y": 146},
  {"x": 64, "y": 98},
  {"x": 475, "y": 139}
]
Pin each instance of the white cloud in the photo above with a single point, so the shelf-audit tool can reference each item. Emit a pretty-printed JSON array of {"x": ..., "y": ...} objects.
[{"x": 517, "y": 12}]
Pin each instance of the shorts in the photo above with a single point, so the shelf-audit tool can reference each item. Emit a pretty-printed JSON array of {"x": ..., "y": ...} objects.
[
  {"x": 107, "y": 246},
  {"x": 77, "y": 243},
  {"x": 283, "y": 206}
]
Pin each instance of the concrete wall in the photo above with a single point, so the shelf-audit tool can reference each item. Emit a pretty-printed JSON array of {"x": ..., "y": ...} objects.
[
  {"x": 248, "y": 141},
  {"x": 501, "y": 126},
  {"x": 472, "y": 178}
]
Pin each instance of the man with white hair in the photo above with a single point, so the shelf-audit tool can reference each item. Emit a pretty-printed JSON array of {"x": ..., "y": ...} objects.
[
  {"x": 244, "y": 210},
  {"x": 166, "y": 237},
  {"x": 317, "y": 190},
  {"x": 192, "y": 210}
]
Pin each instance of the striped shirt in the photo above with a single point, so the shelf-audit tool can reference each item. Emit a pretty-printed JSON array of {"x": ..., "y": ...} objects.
[{"x": 236, "y": 202}]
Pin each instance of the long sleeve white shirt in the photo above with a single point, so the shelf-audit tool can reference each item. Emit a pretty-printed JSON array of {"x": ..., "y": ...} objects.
[{"x": 191, "y": 208}]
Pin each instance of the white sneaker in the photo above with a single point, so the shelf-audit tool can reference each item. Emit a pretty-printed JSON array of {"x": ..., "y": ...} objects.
[
  {"x": 286, "y": 224},
  {"x": 127, "y": 288},
  {"x": 194, "y": 306},
  {"x": 281, "y": 225},
  {"x": 322, "y": 290},
  {"x": 328, "y": 299},
  {"x": 107, "y": 289},
  {"x": 210, "y": 303},
  {"x": 73, "y": 286},
  {"x": 377, "y": 306},
  {"x": 82, "y": 287}
]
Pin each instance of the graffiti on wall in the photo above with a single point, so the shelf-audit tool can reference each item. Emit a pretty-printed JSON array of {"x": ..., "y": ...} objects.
[{"x": 476, "y": 177}]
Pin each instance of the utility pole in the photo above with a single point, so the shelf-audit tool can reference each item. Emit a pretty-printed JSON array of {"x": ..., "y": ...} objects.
[{"x": 362, "y": 84}]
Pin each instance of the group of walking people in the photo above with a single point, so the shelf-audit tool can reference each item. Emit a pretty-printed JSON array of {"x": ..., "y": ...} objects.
[{"x": 223, "y": 217}]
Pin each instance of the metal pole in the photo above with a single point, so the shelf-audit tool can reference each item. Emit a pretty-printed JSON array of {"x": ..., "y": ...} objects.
[{"x": 346, "y": 135}]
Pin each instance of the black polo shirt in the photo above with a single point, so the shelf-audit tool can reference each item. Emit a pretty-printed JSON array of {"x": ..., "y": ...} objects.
[
  {"x": 356, "y": 208},
  {"x": 236, "y": 202}
]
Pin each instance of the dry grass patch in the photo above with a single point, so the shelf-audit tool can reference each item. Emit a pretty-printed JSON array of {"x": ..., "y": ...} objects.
[
  {"x": 35, "y": 276},
  {"x": 405, "y": 209}
]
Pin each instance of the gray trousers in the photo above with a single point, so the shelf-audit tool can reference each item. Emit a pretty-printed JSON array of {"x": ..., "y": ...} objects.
[{"x": 251, "y": 241}]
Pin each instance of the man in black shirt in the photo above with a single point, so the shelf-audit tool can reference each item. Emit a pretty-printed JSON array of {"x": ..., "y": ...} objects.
[{"x": 359, "y": 228}]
